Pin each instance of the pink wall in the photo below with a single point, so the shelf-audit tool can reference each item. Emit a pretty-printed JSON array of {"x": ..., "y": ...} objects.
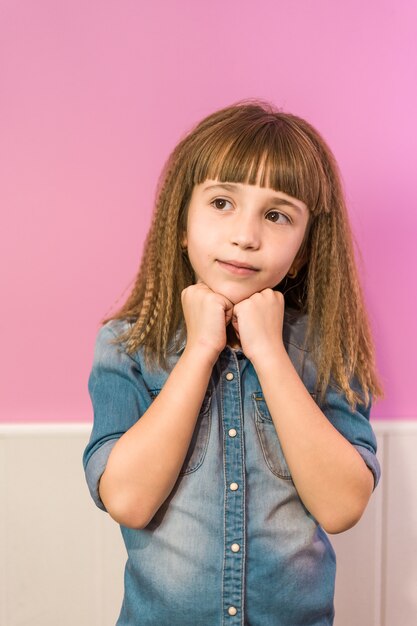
[{"x": 94, "y": 96}]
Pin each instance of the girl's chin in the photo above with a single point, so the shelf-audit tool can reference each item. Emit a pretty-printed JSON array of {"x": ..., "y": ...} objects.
[
  {"x": 235, "y": 292},
  {"x": 236, "y": 295}
]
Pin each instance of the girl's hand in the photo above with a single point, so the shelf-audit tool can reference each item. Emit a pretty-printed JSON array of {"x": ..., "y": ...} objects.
[
  {"x": 258, "y": 322},
  {"x": 206, "y": 314}
]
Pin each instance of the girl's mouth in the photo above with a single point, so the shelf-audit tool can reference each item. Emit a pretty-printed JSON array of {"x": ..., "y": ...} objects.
[{"x": 233, "y": 269}]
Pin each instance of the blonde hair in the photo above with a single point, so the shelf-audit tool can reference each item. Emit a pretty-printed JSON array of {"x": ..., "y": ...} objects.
[{"x": 235, "y": 144}]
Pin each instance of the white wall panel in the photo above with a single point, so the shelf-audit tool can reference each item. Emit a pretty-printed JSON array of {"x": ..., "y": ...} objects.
[
  {"x": 51, "y": 536},
  {"x": 59, "y": 553},
  {"x": 400, "y": 531},
  {"x": 62, "y": 559},
  {"x": 359, "y": 561},
  {"x": 3, "y": 536}
]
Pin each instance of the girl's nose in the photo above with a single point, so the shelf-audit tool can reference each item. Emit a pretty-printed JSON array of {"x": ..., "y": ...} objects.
[{"x": 245, "y": 233}]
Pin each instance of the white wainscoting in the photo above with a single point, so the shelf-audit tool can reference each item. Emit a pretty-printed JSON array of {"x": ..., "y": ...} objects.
[{"x": 62, "y": 559}]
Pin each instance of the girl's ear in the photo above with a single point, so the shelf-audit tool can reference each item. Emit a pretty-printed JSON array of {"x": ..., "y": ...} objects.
[
  {"x": 299, "y": 262},
  {"x": 184, "y": 242},
  {"x": 301, "y": 257}
]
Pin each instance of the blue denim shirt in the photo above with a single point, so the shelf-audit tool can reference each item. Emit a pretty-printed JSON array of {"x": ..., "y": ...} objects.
[{"x": 233, "y": 543}]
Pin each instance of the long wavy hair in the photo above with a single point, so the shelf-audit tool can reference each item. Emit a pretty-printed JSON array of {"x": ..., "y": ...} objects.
[{"x": 236, "y": 144}]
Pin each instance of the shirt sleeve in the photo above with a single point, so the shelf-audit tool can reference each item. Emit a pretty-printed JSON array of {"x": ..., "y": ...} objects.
[
  {"x": 354, "y": 426},
  {"x": 119, "y": 397}
]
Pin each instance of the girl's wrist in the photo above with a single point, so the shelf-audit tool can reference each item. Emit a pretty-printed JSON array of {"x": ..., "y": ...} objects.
[
  {"x": 200, "y": 355},
  {"x": 275, "y": 356}
]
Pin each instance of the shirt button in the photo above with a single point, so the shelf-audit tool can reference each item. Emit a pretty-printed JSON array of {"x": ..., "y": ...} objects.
[
  {"x": 229, "y": 376},
  {"x": 234, "y": 486},
  {"x": 232, "y": 610},
  {"x": 232, "y": 432},
  {"x": 235, "y": 547}
]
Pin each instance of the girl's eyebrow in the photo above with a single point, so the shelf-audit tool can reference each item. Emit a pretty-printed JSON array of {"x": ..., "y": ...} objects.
[{"x": 235, "y": 188}]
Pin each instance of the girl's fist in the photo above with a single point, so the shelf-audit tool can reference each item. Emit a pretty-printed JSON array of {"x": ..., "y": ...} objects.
[
  {"x": 206, "y": 315},
  {"x": 258, "y": 322}
]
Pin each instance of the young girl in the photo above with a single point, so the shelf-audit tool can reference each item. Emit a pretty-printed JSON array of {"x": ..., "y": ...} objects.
[{"x": 232, "y": 391}]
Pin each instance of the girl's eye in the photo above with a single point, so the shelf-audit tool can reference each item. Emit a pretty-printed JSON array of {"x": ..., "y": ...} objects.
[
  {"x": 279, "y": 218},
  {"x": 219, "y": 203}
]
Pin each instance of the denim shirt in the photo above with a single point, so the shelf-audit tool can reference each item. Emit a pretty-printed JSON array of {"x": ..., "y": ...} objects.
[{"x": 233, "y": 544}]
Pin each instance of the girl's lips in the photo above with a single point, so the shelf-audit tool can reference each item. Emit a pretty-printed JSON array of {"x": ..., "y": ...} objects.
[{"x": 240, "y": 271}]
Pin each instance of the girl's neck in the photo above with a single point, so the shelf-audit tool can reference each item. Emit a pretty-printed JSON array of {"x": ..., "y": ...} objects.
[{"x": 232, "y": 339}]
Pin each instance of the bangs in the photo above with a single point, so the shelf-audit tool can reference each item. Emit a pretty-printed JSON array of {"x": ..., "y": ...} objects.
[{"x": 272, "y": 153}]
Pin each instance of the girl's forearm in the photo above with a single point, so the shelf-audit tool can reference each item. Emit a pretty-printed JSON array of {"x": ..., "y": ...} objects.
[
  {"x": 144, "y": 464},
  {"x": 329, "y": 474}
]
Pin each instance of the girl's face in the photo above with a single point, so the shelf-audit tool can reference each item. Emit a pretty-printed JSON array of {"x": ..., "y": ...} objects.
[{"x": 237, "y": 223}]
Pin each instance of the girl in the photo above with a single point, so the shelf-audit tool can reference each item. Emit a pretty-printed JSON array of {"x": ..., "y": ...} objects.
[{"x": 231, "y": 427}]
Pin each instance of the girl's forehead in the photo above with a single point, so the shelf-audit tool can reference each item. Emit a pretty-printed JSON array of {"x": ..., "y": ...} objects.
[
  {"x": 282, "y": 170},
  {"x": 263, "y": 173},
  {"x": 250, "y": 168}
]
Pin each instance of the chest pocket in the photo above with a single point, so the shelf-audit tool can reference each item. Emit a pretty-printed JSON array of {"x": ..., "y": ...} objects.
[
  {"x": 199, "y": 440},
  {"x": 268, "y": 438}
]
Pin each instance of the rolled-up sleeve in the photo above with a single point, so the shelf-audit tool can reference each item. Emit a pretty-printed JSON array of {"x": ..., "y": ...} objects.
[
  {"x": 119, "y": 397},
  {"x": 354, "y": 426}
]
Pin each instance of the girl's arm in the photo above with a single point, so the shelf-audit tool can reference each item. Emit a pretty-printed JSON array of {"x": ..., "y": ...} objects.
[
  {"x": 145, "y": 462},
  {"x": 329, "y": 474}
]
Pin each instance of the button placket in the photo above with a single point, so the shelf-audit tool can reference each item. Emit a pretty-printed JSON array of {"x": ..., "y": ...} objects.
[{"x": 234, "y": 501}]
